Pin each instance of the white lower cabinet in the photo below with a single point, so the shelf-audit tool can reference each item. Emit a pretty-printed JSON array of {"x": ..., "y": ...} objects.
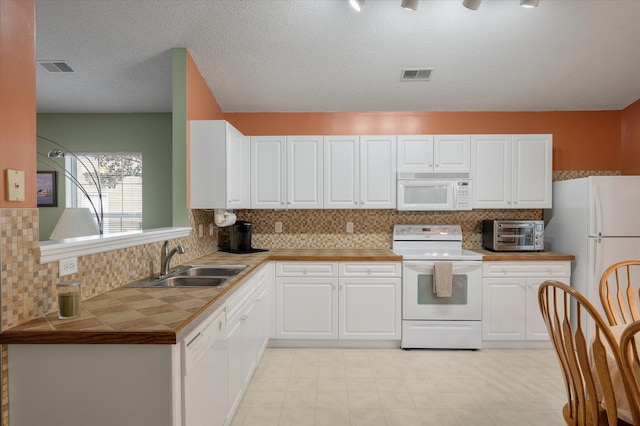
[
  {"x": 328, "y": 300},
  {"x": 136, "y": 384},
  {"x": 247, "y": 332},
  {"x": 510, "y": 310}
]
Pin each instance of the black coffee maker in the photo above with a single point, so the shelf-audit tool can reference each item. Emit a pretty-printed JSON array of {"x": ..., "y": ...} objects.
[{"x": 240, "y": 236}]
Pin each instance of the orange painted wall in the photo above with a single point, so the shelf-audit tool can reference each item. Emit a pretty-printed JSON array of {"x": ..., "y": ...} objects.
[
  {"x": 582, "y": 140},
  {"x": 18, "y": 97},
  {"x": 631, "y": 139},
  {"x": 201, "y": 104}
]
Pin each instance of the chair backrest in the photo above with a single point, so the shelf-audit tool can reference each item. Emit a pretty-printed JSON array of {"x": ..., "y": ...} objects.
[
  {"x": 618, "y": 293},
  {"x": 585, "y": 365},
  {"x": 629, "y": 342}
]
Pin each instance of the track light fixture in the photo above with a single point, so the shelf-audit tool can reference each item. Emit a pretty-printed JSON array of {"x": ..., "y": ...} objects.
[
  {"x": 410, "y": 4},
  {"x": 471, "y": 4},
  {"x": 529, "y": 3},
  {"x": 357, "y": 4}
]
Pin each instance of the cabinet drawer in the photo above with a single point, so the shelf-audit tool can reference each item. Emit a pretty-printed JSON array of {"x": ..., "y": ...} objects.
[
  {"x": 371, "y": 269},
  {"x": 526, "y": 269},
  {"x": 240, "y": 297},
  {"x": 307, "y": 269}
]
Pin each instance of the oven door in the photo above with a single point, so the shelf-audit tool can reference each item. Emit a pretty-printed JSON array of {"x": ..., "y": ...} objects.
[
  {"x": 425, "y": 195},
  {"x": 419, "y": 301}
]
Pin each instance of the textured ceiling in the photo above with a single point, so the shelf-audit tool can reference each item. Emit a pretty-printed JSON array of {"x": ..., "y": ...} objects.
[{"x": 321, "y": 55}]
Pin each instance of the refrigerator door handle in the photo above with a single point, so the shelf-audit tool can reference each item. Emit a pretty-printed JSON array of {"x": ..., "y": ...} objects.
[{"x": 598, "y": 207}]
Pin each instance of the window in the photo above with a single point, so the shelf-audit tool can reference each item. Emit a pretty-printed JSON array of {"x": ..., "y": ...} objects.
[{"x": 120, "y": 177}]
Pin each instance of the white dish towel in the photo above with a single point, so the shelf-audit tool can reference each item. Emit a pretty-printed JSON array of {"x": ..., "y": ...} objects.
[{"x": 443, "y": 279}]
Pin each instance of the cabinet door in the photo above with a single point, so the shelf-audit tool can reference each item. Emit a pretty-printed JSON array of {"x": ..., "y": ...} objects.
[
  {"x": 268, "y": 172},
  {"x": 304, "y": 172},
  {"x": 219, "y": 166},
  {"x": 235, "y": 345},
  {"x": 262, "y": 328},
  {"x": 532, "y": 161},
  {"x": 536, "y": 327},
  {"x": 503, "y": 309},
  {"x": 492, "y": 178},
  {"x": 378, "y": 172},
  {"x": 415, "y": 153},
  {"x": 238, "y": 169},
  {"x": 306, "y": 308},
  {"x": 341, "y": 172},
  {"x": 452, "y": 153},
  {"x": 370, "y": 308}
]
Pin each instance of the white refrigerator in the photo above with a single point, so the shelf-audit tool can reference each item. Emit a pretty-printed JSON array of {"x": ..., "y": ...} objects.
[{"x": 596, "y": 219}]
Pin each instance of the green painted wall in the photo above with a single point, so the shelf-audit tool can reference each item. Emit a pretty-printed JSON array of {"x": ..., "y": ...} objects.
[
  {"x": 179, "y": 148},
  {"x": 150, "y": 134}
]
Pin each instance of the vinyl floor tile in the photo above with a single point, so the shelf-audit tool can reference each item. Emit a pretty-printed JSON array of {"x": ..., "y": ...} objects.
[{"x": 386, "y": 387}]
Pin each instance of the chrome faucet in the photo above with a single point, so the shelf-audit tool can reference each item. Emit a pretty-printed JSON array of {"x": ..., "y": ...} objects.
[{"x": 165, "y": 257}]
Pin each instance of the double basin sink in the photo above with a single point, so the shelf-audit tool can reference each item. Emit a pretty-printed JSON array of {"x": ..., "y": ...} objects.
[{"x": 192, "y": 276}]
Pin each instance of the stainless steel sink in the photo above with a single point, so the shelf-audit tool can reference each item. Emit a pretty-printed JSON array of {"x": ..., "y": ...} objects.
[
  {"x": 192, "y": 276},
  {"x": 190, "y": 282},
  {"x": 210, "y": 270}
]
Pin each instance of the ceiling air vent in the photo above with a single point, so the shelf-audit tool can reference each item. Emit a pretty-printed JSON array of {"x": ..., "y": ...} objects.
[
  {"x": 416, "y": 74},
  {"x": 56, "y": 66}
]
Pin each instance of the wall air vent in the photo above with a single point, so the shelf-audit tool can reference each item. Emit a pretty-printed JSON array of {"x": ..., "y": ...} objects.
[
  {"x": 416, "y": 74},
  {"x": 56, "y": 66}
]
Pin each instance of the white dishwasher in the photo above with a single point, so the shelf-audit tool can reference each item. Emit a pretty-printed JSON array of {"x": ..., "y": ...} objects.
[{"x": 204, "y": 380}]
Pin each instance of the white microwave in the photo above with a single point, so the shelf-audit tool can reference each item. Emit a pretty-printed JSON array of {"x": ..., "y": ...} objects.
[{"x": 434, "y": 191}]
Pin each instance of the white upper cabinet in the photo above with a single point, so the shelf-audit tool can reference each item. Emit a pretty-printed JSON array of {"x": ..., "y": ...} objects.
[
  {"x": 415, "y": 153},
  {"x": 532, "y": 171},
  {"x": 452, "y": 153},
  {"x": 268, "y": 172},
  {"x": 378, "y": 172},
  {"x": 286, "y": 172},
  {"x": 428, "y": 153},
  {"x": 304, "y": 172},
  {"x": 360, "y": 172},
  {"x": 341, "y": 172},
  {"x": 512, "y": 171},
  {"x": 219, "y": 168}
]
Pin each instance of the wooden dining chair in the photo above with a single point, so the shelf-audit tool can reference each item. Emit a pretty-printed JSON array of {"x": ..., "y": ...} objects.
[
  {"x": 584, "y": 365},
  {"x": 631, "y": 364},
  {"x": 618, "y": 295}
]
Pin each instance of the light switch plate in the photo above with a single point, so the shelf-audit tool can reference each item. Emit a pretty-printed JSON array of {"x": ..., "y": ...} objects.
[{"x": 15, "y": 185}]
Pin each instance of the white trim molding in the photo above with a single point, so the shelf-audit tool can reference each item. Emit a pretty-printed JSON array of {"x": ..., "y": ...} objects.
[{"x": 53, "y": 250}]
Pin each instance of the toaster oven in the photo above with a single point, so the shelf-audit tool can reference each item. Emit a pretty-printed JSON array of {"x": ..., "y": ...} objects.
[{"x": 513, "y": 235}]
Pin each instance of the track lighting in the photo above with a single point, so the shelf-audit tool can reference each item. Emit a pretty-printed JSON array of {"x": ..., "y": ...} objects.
[
  {"x": 529, "y": 3},
  {"x": 410, "y": 4},
  {"x": 471, "y": 4},
  {"x": 357, "y": 4}
]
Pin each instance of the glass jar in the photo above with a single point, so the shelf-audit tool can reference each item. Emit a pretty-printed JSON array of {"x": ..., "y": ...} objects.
[{"x": 68, "y": 299}]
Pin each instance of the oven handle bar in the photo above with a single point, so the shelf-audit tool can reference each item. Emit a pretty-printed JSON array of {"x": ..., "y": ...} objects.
[{"x": 458, "y": 265}]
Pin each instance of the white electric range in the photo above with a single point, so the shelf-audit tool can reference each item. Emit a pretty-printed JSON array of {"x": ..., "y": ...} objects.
[{"x": 429, "y": 321}]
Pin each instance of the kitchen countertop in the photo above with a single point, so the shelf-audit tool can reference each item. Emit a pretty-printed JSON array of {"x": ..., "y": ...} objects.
[
  {"x": 127, "y": 315},
  {"x": 523, "y": 256}
]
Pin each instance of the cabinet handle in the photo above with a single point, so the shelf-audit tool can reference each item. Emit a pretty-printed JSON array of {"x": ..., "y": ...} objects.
[{"x": 194, "y": 339}]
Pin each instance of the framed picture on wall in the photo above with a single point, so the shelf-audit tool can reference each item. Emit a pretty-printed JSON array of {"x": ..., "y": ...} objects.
[{"x": 46, "y": 185}]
